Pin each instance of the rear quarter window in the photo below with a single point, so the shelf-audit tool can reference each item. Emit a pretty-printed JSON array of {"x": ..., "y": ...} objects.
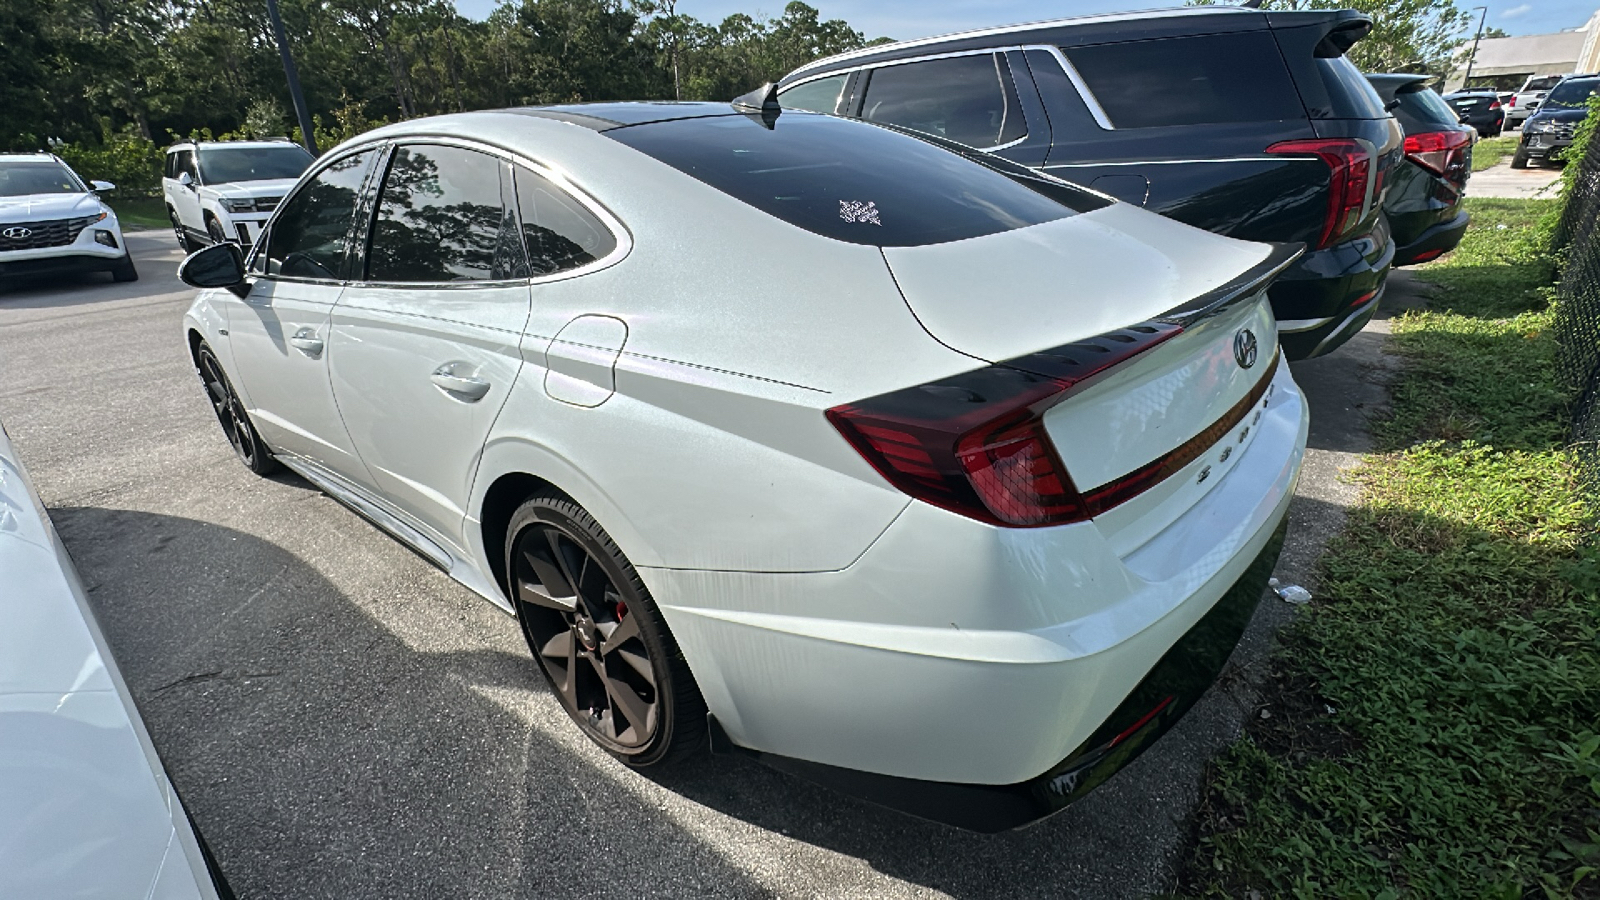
[
  {"x": 1200, "y": 80},
  {"x": 846, "y": 180},
  {"x": 1350, "y": 94}
]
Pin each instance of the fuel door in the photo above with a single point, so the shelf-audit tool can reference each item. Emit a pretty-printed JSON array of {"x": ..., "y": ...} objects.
[{"x": 581, "y": 361}]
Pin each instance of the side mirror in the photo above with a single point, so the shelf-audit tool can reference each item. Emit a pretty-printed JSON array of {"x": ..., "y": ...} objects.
[
  {"x": 216, "y": 266},
  {"x": 185, "y": 179},
  {"x": 102, "y": 185}
]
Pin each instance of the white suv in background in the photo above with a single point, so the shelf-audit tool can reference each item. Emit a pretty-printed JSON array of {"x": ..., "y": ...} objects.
[
  {"x": 1525, "y": 102},
  {"x": 226, "y": 190},
  {"x": 51, "y": 222}
]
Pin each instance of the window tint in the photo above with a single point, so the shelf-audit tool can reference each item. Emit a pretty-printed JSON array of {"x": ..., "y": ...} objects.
[
  {"x": 1542, "y": 84},
  {"x": 845, "y": 179},
  {"x": 969, "y": 99},
  {"x": 559, "y": 232},
  {"x": 186, "y": 164},
  {"x": 227, "y": 164},
  {"x": 1572, "y": 94},
  {"x": 1424, "y": 110},
  {"x": 439, "y": 219},
  {"x": 1350, "y": 94},
  {"x": 820, "y": 96},
  {"x": 43, "y": 176},
  {"x": 170, "y": 166},
  {"x": 1190, "y": 80},
  {"x": 312, "y": 229}
]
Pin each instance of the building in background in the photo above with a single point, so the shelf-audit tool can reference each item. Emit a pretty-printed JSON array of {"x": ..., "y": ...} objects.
[{"x": 1505, "y": 63}]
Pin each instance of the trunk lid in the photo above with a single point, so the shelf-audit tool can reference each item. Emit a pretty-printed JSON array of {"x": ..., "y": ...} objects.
[{"x": 1093, "y": 286}]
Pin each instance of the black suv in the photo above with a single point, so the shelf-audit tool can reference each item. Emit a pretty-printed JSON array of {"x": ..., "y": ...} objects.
[
  {"x": 1424, "y": 194},
  {"x": 1247, "y": 123},
  {"x": 1549, "y": 131}
]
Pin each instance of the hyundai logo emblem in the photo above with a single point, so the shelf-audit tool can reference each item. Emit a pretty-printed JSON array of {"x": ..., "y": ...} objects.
[
  {"x": 17, "y": 233},
  {"x": 1244, "y": 348}
]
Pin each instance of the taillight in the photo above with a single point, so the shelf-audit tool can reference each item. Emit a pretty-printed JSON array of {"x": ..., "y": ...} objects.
[
  {"x": 976, "y": 444},
  {"x": 1512, "y": 103},
  {"x": 1495, "y": 105},
  {"x": 1437, "y": 151},
  {"x": 1351, "y": 166}
]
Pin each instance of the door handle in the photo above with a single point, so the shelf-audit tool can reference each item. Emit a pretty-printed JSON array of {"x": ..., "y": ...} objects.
[
  {"x": 306, "y": 341},
  {"x": 462, "y": 387}
]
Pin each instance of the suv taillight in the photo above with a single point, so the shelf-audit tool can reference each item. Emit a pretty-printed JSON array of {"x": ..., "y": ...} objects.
[
  {"x": 1437, "y": 151},
  {"x": 976, "y": 443},
  {"x": 1351, "y": 167}
]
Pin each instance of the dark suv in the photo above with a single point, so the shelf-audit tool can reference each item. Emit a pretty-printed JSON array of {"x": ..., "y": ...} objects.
[
  {"x": 1549, "y": 131},
  {"x": 1424, "y": 194},
  {"x": 1247, "y": 123}
]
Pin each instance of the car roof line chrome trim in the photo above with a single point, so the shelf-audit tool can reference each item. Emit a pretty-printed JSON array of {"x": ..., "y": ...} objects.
[
  {"x": 1081, "y": 86},
  {"x": 1176, "y": 162},
  {"x": 1129, "y": 16}
]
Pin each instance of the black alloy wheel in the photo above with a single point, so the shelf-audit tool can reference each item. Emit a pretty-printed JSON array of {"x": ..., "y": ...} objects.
[
  {"x": 231, "y": 415},
  {"x": 598, "y": 636}
]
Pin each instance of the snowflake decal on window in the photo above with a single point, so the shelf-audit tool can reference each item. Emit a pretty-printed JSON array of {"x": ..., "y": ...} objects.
[{"x": 856, "y": 211}]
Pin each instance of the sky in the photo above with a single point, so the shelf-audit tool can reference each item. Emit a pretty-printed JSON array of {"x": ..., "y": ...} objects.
[{"x": 905, "y": 19}]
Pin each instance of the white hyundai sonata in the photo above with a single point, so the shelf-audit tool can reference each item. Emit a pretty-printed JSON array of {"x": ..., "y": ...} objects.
[{"x": 908, "y": 470}]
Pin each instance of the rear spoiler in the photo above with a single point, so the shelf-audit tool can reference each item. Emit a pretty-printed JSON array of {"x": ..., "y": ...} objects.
[
  {"x": 1249, "y": 283},
  {"x": 1340, "y": 29}
]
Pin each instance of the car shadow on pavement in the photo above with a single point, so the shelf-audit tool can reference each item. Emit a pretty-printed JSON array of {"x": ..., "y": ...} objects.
[{"x": 323, "y": 755}]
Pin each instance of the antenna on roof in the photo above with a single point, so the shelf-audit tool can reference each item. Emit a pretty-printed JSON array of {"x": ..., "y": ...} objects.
[{"x": 762, "y": 102}]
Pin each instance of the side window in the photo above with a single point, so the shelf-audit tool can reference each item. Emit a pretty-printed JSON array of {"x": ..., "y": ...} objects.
[
  {"x": 820, "y": 96},
  {"x": 968, "y": 99},
  {"x": 169, "y": 166},
  {"x": 1191, "y": 80},
  {"x": 185, "y": 163},
  {"x": 560, "y": 233},
  {"x": 312, "y": 230},
  {"x": 439, "y": 219}
]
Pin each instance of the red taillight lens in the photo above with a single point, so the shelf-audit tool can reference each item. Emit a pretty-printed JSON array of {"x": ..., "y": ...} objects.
[
  {"x": 976, "y": 444},
  {"x": 1495, "y": 105},
  {"x": 1351, "y": 166},
  {"x": 1437, "y": 151}
]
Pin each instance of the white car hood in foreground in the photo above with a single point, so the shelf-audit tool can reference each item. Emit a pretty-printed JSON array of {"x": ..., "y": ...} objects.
[
  {"x": 43, "y": 207},
  {"x": 274, "y": 187},
  {"x": 1005, "y": 295},
  {"x": 85, "y": 807}
]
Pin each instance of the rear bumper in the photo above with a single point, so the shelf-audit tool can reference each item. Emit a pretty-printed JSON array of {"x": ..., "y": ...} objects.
[
  {"x": 1011, "y": 670},
  {"x": 1441, "y": 238},
  {"x": 1174, "y": 685},
  {"x": 1318, "y": 298}
]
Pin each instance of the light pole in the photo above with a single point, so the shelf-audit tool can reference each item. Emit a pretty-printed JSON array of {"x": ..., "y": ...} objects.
[
  {"x": 307, "y": 135},
  {"x": 1475, "y": 38}
]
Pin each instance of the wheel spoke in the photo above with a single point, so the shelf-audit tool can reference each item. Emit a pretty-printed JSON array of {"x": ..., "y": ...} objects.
[
  {"x": 553, "y": 589},
  {"x": 633, "y": 708},
  {"x": 565, "y": 650},
  {"x": 539, "y": 594},
  {"x": 615, "y": 634},
  {"x": 639, "y": 662}
]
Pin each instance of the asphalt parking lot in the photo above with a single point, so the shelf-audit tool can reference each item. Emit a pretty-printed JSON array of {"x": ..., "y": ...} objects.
[{"x": 344, "y": 721}]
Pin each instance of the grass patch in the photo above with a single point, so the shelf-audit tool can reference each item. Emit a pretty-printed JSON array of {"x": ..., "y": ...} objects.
[
  {"x": 140, "y": 212},
  {"x": 1431, "y": 716},
  {"x": 1489, "y": 151}
]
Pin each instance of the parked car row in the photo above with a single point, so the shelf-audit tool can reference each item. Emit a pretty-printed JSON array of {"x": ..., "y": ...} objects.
[{"x": 840, "y": 426}]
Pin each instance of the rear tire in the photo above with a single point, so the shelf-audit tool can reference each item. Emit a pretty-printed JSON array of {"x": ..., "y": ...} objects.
[
  {"x": 124, "y": 270},
  {"x": 598, "y": 636},
  {"x": 1519, "y": 159},
  {"x": 231, "y": 414}
]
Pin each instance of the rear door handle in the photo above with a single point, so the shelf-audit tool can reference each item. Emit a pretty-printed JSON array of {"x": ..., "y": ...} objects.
[
  {"x": 306, "y": 341},
  {"x": 462, "y": 387}
]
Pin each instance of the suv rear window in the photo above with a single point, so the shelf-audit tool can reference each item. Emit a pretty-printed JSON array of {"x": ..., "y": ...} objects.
[
  {"x": 1199, "y": 80},
  {"x": 844, "y": 179},
  {"x": 1424, "y": 110}
]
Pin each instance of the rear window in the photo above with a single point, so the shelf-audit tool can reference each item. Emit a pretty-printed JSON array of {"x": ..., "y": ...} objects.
[
  {"x": 845, "y": 180},
  {"x": 1190, "y": 80},
  {"x": 1542, "y": 84},
  {"x": 1424, "y": 110}
]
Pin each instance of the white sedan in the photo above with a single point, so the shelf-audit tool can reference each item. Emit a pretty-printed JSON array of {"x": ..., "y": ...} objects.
[
  {"x": 85, "y": 807},
  {"x": 906, "y": 469}
]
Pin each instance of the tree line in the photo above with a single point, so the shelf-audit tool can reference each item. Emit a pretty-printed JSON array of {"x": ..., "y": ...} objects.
[{"x": 97, "y": 73}]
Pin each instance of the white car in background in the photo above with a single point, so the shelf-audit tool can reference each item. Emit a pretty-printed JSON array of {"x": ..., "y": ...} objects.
[
  {"x": 86, "y": 809},
  {"x": 1525, "y": 102},
  {"x": 52, "y": 223},
  {"x": 903, "y": 467},
  {"x": 224, "y": 190}
]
